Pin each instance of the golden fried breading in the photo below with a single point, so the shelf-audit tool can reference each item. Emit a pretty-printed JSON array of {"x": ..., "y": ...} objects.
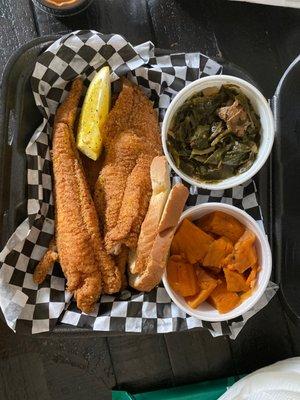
[
  {"x": 134, "y": 206},
  {"x": 92, "y": 169},
  {"x": 47, "y": 262},
  {"x": 123, "y": 189},
  {"x": 121, "y": 261},
  {"x": 82, "y": 255},
  {"x": 133, "y": 111},
  {"x": 109, "y": 189}
]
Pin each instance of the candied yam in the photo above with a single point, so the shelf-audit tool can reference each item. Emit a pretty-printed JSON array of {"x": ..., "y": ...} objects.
[
  {"x": 235, "y": 281},
  {"x": 228, "y": 260},
  {"x": 206, "y": 283},
  {"x": 191, "y": 241},
  {"x": 213, "y": 270},
  {"x": 222, "y": 224},
  {"x": 172, "y": 272},
  {"x": 217, "y": 253},
  {"x": 187, "y": 279},
  {"x": 197, "y": 299},
  {"x": 252, "y": 277},
  {"x": 244, "y": 253},
  {"x": 181, "y": 276},
  {"x": 204, "y": 279},
  {"x": 223, "y": 300},
  {"x": 246, "y": 295}
]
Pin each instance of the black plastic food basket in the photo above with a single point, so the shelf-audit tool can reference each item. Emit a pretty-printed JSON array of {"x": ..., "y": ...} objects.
[{"x": 279, "y": 192}]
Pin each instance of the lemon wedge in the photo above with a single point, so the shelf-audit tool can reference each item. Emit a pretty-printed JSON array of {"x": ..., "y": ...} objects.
[{"x": 94, "y": 112}]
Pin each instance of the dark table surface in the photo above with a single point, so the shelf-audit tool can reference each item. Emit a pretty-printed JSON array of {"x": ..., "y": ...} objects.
[{"x": 261, "y": 39}]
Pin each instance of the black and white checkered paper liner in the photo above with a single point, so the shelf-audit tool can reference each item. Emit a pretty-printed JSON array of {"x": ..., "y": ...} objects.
[{"x": 28, "y": 307}]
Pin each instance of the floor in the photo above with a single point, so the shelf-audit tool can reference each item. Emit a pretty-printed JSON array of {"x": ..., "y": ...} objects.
[{"x": 262, "y": 40}]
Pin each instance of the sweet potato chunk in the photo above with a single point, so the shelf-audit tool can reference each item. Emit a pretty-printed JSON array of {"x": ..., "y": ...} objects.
[
  {"x": 235, "y": 281},
  {"x": 246, "y": 295},
  {"x": 204, "y": 279},
  {"x": 206, "y": 284},
  {"x": 223, "y": 300},
  {"x": 244, "y": 253},
  {"x": 217, "y": 252},
  {"x": 252, "y": 277},
  {"x": 181, "y": 276},
  {"x": 187, "y": 280},
  {"x": 191, "y": 241},
  {"x": 222, "y": 224},
  {"x": 200, "y": 297},
  {"x": 172, "y": 271}
]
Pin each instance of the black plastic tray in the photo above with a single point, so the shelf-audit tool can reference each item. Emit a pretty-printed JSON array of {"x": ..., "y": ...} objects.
[
  {"x": 286, "y": 187},
  {"x": 19, "y": 117}
]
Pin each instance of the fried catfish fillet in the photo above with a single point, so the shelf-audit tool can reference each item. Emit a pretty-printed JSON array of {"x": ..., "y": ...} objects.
[
  {"x": 123, "y": 189},
  {"x": 84, "y": 261}
]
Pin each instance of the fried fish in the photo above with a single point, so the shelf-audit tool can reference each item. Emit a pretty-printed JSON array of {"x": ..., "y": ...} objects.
[{"x": 123, "y": 189}]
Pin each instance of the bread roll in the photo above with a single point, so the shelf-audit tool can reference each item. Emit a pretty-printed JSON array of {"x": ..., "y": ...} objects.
[
  {"x": 155, "y": 264},
  {"x": 160, "y": 181}
]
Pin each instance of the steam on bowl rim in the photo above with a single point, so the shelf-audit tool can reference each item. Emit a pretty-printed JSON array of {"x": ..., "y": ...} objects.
[{"x": 257, "y": 100}]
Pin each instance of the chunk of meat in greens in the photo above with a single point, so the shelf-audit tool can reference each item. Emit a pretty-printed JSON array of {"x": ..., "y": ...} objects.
[{"x": 236, "y": 118}]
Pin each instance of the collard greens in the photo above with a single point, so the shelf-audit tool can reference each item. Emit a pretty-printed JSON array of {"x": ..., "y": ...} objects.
[{"x": 215, "y": 134}]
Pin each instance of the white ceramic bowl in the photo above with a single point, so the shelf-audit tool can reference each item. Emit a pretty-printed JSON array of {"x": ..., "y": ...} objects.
[
  {"x": 261, "y": 107},
  {"x": 205, "y": 311}
]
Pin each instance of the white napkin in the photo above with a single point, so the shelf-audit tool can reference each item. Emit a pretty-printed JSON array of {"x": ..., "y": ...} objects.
[
  {"x": 282, "y": 3},
  {"x": 279, "y": 381}
]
